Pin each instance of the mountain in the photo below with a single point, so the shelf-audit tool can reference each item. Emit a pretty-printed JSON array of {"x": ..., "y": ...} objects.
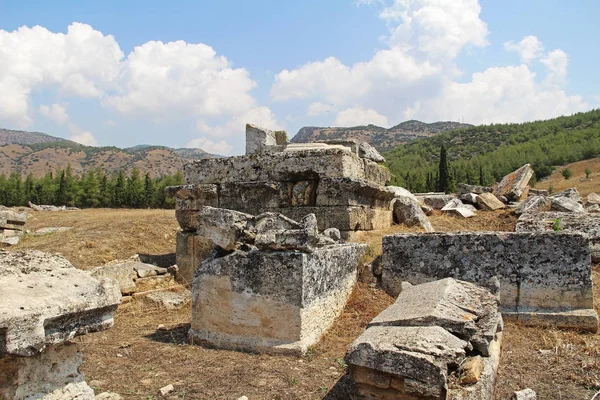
[
  {"x": 484, "y": 154},
  {"x": 38, "y": 153},
  {"x": 381, "y": 138}
]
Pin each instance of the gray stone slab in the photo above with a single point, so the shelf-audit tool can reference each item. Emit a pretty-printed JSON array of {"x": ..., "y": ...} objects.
[
  {"x": 489, "y": 202},
  {"x": 464, "y": 309},
  {"x": 145, "y": 270},
  {"x": 537, "y": 272},
  {"x": 464, "y": 188},
  {"x": 352, "y": 192},
  {"x": 193, "y": 197},
  {"x": 514, "y": 184},
  {"x": 123, "y": 273},
  {"x": 48, "y": 301}
]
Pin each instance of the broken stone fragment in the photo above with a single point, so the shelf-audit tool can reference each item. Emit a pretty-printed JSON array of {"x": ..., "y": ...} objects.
[
  {"x": 48, "y": 301},
  {"x": 489, "y": 202},
  {"x": 145, "y": 270},
  {"x": 513, "y": 185},
  {"x": 570, "y": 193},
  {"x": 470, "y": 198},
  {"x": 525, "y": 394},
  {"x": 470, "y": 370},
  {"x": 258, "y": 139},
  {"x": 464, "y": 309},
  {"x": 333, "y": 234},
  {"x": 593, "y": 198},
  {"x": 407, "y": 209},
  {"x": 534, "y": 204},
  {"x": 565, "y": 204},
  {"x": 437, "y": 201},
  {"x": 464, "y": 188},
  {"x": 538, "y": 192},
  {"x": 227, "y": 229},
  {"x": 12, "y": 220}
]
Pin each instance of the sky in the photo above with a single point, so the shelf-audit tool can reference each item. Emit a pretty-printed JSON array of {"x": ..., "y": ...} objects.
[{"x": 193, "y": 73}]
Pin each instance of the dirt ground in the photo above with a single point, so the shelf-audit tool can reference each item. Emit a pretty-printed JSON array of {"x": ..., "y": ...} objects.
[
  {"x": 148, "y": 348},
  {"x": 584, "y": 185}
]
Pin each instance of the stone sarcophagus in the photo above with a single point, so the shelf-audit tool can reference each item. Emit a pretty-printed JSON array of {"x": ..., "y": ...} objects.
[
  {"x": 340, "y": 182},
  {"x": 45, "y": 303},
  {"x": 272, "y": 284}
]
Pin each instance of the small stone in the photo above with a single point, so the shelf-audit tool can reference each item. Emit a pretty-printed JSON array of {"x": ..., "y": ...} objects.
[
  {"x": 593, "y": 198},
  {"x": 489, "y": 202},
  {"x": 159, "y": 327},
  {"x": 164, "y": 391},
  {"x": 470, "y": 370},
  {"x": 97, "y": 383},
  {"x": 525, "y": 394},
  {"x": 108, "y": 396},
  {"x": 242, "y": 398}
]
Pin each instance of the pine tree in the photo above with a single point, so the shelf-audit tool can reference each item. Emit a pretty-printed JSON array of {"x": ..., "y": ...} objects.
[
  {"x": 135, "y": 189},
  {"x": 148, "y": 191},
  {"x": 119, "y": 197},
  {"x": 444, "y": 173},
  {"x": 60, "y": 199}
]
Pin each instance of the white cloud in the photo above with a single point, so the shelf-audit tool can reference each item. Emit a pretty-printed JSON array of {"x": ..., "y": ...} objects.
[
  {"x": 529, "y": 48},
  {"x": 360, "y": 116},
  {"x": 55, "y": 112},
  {"x": 82, "y": 62},
  {"x": 556, "y": 61},
  {"x": 85, "y": 138},
  {"x": 221, "y": 147}
]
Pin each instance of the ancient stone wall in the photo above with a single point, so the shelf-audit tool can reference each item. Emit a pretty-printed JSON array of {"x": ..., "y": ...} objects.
[{"x": 543, "y": 278}]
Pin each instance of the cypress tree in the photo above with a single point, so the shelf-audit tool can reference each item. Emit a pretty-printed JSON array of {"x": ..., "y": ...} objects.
[{"x": 444, "y": 173}]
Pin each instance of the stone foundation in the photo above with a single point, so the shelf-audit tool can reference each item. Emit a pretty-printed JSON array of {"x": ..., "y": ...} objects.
[{"x": 543, "y": 278}]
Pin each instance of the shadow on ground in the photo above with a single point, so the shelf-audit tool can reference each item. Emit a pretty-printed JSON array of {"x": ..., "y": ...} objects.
[{"x": 175, "y": 335}]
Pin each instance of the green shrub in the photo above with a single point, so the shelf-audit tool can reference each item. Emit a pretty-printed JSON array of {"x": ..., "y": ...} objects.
[{"x": 567, "y": 173}]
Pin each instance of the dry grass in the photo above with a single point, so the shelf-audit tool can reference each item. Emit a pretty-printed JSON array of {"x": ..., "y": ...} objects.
[
  {"x": 102, "y": 235},
  {"x": 584, "y": 186},
  {"x": 135, "y": 359}
]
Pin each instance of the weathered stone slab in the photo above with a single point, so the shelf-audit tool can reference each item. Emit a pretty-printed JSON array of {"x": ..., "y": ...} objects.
[
  {"x": 538, "y": 192},
  {"x": 351, "y": 192},
  {"x": 408, "y": 211},
  {"x": 513, "y": 185},
  {"x": 565, "y": 204},
  {"x": 255, "y": 197},
  {"x": 280, "y": 301},
  {"x": 469, "y": 198},
  {"x": 489, "y": 202},
  {"x": 145, "y": 270},
  {"x": 191, "y": 250},
  {"x": 417, "y": 358},
  {"x": 464, "y": 188},
  {"x": 257, "y": 139},
  {"x": 12, "y": 220},
  {"x": 225, "y": 228},
  {"x": 279, "y": 167},
  {"x": 10, "y": 237},
  {"x": 352, "y": 218},
  {"x": 538, "y": 272},
  {"x": 51, "y": 375},
  {"x": 534, "y": 204},
  {"x": 462, "y": 308},
  {"x": 193, "y": 197},
  {"x": 363, "y": 149},
  {"x": 584, "y": 224},
  {"x": 571, "y": 193},
  {"x": 170, "y": 300},
  {"x": 123, "y": 273},
  {"x": 47, "y": 301},
  {"x": 593, "y": 198},
  {"x": 376, "y": 173},
  {"x": 437, "y": 201}
]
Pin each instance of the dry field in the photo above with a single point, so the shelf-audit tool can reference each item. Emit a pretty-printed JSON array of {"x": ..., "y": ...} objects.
[
  {"x": 578, "y": 180},
  {"x": 148, "y": 349}
]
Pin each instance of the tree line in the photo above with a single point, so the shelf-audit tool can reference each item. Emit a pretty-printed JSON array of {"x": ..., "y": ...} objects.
[
  {"x": 483, "y": 154},
  {"x": 92, "y": 189}
]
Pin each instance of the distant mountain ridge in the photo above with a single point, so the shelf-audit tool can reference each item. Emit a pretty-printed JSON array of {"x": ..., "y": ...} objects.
[
  {"x": 38, "y": 153},
  {"x": 381, "y": 138}
]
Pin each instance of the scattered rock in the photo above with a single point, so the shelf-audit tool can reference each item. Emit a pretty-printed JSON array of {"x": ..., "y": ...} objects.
[
  {"x": 170, "y": 300},
  {"x": 426, "y": 209},
  {"x": 164, "y": 391},
  {"x": 534, "y": 204},
  {"x": 437, "y": 201},
  {"x": 525, "y": 394},
  {"x": 50, "y": 230},
  {"x": 108, "y": 396},
  {"x": 570, "y": 193},
  {"x": 538, "y": 192},
  {"x": 565, "y": 204},
  {"x": 407, "y": 210},
  {"x": 146, "y": 270},
  {"x": 464, "y": 188},
  {"x": 470, "y": 370},
  {"x": 593, "y": 198},
  {"x": 489, "y": 202},
  {"x": 513, "y": 185},
  {"x": 470, "y": 198}
]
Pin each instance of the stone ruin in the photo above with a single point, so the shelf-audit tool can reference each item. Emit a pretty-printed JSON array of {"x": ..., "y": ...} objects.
[
  {"x": 544, "y": 278},
  {"x": 439, "y": 340},
  {"x": 46, "y": 302},
  {"x": 272, "y": 284},
  {"x": 12, "y": 226},
  {"x": 341, "y": 182}
]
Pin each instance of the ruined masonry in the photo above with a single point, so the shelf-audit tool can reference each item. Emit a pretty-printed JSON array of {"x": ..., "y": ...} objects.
[
  {"x": 340, "y": 182},
  {"x": 272, "y": 284},
  {"x": 439, "y": 340},
  {"x": 543, "y": 278},
  {"x": 12, "y": 226},
  {"x": 46, "y": 302}
]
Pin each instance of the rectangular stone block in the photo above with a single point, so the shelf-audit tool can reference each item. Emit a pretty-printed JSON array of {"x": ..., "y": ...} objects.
[
  {"x": 254, "y": 197},
  {"x": 537, "y": 273},
  {"x": 192, "y": 197},
  {"x": 191, "y": 250},
  {"x": 352, "y": 192},
  {"x": 276, "y": 167},
  {"x": 271, "y": 301},
  {"x": 376, "y": 173},
  {"x": 352, "y": 218}
]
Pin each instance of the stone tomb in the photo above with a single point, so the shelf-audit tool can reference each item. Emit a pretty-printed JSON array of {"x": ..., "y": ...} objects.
[
  {"x": 45, "y": 303},
  {"x": 279, "y": 287},
  {"x": 342, "y": 183},
  {"x": 439, "y": 340},
  {"x": 543, "y": 278}
]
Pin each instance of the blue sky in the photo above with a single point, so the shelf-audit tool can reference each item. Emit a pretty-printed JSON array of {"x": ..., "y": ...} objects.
[{"x": 192, "y": 73}]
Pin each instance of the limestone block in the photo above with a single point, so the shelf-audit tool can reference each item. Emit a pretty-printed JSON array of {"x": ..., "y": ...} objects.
[
  {"x": 464, "y": 188},
  {"x": 489, "y": 202},
  {"x": 408, "y": 211},
  {"x": 169, "y": 300},
  {"x": 584, "y": 224},
  {"x": 275, "y": 301},
  {"x": 351, "y": 218},
  {"x": 352, "y": 192},
  {"x": 278, "y": 167},
  {"x": 565, "y": 204},
  {"x": 538, "y": 192},
  {"x": 154, "y": 283},
  {"x": 534, "y": 204},
  {"x": 12, "y": 220},
  {"x": 537, "y": 272},
  {"x": 187, "y": 219},
  {"x": 303, "y": 193},
  {"x": 192, "y": 197},
  {"x": 376, "y": 173},
  {"x": 513, "y": 185},
  {"x": 418, "y": 357},
  {"x": 570, "y": 193},
  {"x": 437, "y": 201},
  {"x": 258, "y": 138},
  {"x": 48, "y": 301},
  {"x": 191, "y": 250},
  {"x": 469, "y": 198},
  {"x": 462, "y": 212},
  {"x": 303, "y": 238},
  {"x": 123, "y": 273},
  {"x": 225, "y": 228},
  {"x": 593, "y": 198},
  {"x": 525, "y": 394},
  {"x": 10, "y": 237},
  {"x": 50, "y": 375},
  {"x": 363, "y": 149},
  {"x": 254, "y": 197},
  {"x": 462, "y": 308},
  {"x": 145, "y": 270}
]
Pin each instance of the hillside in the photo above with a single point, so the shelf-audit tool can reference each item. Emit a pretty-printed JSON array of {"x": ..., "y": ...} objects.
[
  {"x": 37, "y": 153},
  {"x": 483, "y": 154},
  {"x": 585, "y": 185},
  {"x": 383, "y": 139}
]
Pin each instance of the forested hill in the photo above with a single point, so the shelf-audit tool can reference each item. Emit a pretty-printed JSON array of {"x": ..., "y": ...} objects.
[
  {"x": 484, "y": 154},
  {"x": 381, "y": 138}
]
